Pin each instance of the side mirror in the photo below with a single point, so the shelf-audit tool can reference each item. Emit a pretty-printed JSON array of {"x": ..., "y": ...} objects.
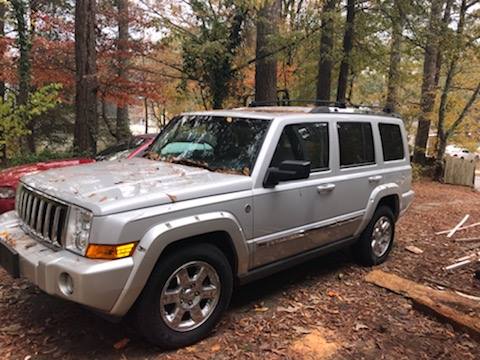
[{"x": 288, "y": 170}]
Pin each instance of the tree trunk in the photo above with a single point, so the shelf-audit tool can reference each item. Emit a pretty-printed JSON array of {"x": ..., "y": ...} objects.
[
  {"x": 2, "y": 34},
  {"x": 123, "y": 125},
  {"x": 325, "y": 63},
  {"x": 427, "y": 101},
  {"x": 86, "y": 78},
  {"x": 347, "y": 52},
  {"x": 395, "y": 57},
  {"x": 3, "y": 149},
  {"x": 24, "y": 67},
  {"x": 265, "y": 65},
  {"x": 442, "y": 134},
  {"x": 444, "y": 29}
]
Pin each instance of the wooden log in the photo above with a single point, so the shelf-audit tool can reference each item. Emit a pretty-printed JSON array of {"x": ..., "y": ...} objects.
[{"x": 445, "y": 305}]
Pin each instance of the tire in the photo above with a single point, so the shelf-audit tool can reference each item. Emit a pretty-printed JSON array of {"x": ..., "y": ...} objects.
[
  {"x": 156, "y": 318},
  {"x": 364, "y": 250}
]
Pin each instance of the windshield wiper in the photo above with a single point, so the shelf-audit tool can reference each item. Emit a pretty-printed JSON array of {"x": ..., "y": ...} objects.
[{"x": 188, "y": 162}]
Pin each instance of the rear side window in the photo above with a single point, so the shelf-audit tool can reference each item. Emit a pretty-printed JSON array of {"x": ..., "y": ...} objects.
[
  {"x": 304, "y": 142},
  {"x": 356, "y": 144},
  {"x": 392, "y": 143}
]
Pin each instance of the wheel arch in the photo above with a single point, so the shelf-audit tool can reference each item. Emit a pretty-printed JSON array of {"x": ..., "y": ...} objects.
[
  {"x": 393, "y": 202},
  {"x": 221, "y": 239},
  {"x": 220, "y": 229},
  {"x": 387, "y": 194}
]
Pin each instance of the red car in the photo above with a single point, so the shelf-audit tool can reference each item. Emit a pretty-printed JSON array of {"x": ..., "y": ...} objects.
[{"x": 10, "y": 177}]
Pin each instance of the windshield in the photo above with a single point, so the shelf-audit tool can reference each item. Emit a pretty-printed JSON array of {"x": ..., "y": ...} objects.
[
  {"x": 120, "y": 151},
  {"x": 215, "y": 143}
]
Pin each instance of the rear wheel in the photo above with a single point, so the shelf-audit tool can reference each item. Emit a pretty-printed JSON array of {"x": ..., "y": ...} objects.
[
  {"x": 185, "y": 296},
  {"x": 376, "y": 241}
]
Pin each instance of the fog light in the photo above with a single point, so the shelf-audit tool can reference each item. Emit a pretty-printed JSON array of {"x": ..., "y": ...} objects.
[{"x": 65, "y": 284}]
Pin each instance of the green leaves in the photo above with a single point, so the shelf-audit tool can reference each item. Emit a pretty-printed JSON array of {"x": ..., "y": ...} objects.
[
  {"x": 208, "y": 49},
  {"x": 14, "y": 118}
]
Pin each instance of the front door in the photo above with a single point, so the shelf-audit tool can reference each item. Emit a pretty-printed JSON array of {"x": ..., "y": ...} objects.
[{"x": 296, "y": 216}]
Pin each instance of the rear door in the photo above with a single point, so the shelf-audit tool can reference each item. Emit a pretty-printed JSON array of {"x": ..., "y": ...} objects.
[{"x": 358, "y": 169}]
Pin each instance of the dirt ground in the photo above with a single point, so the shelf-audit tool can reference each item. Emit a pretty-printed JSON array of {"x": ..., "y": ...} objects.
[{"x": 322, "y": 309}]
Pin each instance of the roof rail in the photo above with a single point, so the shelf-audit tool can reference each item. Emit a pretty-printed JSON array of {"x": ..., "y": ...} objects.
[
  {"x": 326, "y": 106},
  {"x": 289, "y": 102}
]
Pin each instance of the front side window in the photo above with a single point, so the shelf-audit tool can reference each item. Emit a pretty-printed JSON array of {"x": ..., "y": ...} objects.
[
  {"x": 215, "y": 143},
  {"x": 304, "y": 142},
  {"x": 392, "y": 143},
  {"x": 356, "y": 144}
]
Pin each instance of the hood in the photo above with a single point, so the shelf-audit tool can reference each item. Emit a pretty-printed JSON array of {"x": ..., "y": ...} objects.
[
  {"x": 116, "y": 186},
  {"x": 11, "y": 176}
]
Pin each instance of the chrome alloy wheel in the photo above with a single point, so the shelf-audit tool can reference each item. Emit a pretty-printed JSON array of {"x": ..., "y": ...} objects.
[
  {"x": 381, "y": 236},
  {"x": 190, "y": 296}
]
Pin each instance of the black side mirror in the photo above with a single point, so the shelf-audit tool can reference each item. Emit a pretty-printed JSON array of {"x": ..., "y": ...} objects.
[{"x": 288, "y": 170}]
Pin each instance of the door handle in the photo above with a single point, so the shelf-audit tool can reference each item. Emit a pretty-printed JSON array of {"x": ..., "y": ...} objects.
[
  {"x": 325, "y": 188},
  {"x": 375, "y": 178}
]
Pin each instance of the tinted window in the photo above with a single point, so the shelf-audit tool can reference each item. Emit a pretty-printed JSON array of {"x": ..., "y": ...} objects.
[
  {"x": 392, "y": 143},
  {"x": 303, "y": 142},
  {"x": 356, "y": 143}
]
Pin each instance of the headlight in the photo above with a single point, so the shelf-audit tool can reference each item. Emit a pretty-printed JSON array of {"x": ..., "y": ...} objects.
[
  {"x": 7, "y": 192},
  {"x": 78, "y": 230}
]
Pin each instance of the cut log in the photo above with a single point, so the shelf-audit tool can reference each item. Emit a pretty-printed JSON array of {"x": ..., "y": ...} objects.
[{"x": 445, "y": 305}]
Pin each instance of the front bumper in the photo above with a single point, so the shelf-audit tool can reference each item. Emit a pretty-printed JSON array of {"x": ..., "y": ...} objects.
[{"x": 96, "y": 283}]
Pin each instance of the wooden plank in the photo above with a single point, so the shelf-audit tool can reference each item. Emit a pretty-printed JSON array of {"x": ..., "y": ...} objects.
[
  {"x": 462, "y": 228},
  {"x": 445, "y": 305},
  {"x": 458, "y": 226}
]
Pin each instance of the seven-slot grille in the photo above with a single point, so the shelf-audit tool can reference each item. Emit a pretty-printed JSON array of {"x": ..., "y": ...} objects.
[{"x": 42, "y": 216}]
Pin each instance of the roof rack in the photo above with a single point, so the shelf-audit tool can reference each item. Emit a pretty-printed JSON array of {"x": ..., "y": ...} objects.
[
  {"x": 289, "y": 102},
  {"x": 325, "y": 106}
]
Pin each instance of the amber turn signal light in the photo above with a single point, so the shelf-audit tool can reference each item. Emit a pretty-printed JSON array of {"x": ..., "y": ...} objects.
[{"x": 111, "y": 252}]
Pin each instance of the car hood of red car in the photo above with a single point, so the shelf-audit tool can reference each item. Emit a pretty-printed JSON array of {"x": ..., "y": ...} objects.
[{"x": 11, "y": 176}]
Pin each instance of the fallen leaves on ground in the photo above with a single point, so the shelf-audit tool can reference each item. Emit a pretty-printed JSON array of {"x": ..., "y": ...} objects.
[{"x": 325, "y": 297}]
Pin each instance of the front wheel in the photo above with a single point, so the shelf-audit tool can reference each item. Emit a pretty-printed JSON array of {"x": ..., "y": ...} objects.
[
  {"x": 185, "y": 296},
  {"x": 376, "y": 241}
]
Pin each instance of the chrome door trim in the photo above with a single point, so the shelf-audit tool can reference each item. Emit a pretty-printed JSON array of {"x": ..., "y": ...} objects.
[{"x": 274, "y": 247}]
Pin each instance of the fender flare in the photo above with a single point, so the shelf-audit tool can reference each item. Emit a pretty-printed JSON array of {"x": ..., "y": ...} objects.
[
  {"x": 157, "y": 238},
  {"x": 377, "y": 194}
]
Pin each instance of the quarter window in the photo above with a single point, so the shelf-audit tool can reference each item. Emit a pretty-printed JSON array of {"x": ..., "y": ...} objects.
[
  {"x": 392, "y": 143},
  {"x": 307, "y": 141},
  {"x": 356, "y": 144}
]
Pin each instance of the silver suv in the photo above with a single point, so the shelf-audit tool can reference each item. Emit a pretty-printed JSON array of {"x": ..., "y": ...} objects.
[{"x": 221, "y": 198}]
